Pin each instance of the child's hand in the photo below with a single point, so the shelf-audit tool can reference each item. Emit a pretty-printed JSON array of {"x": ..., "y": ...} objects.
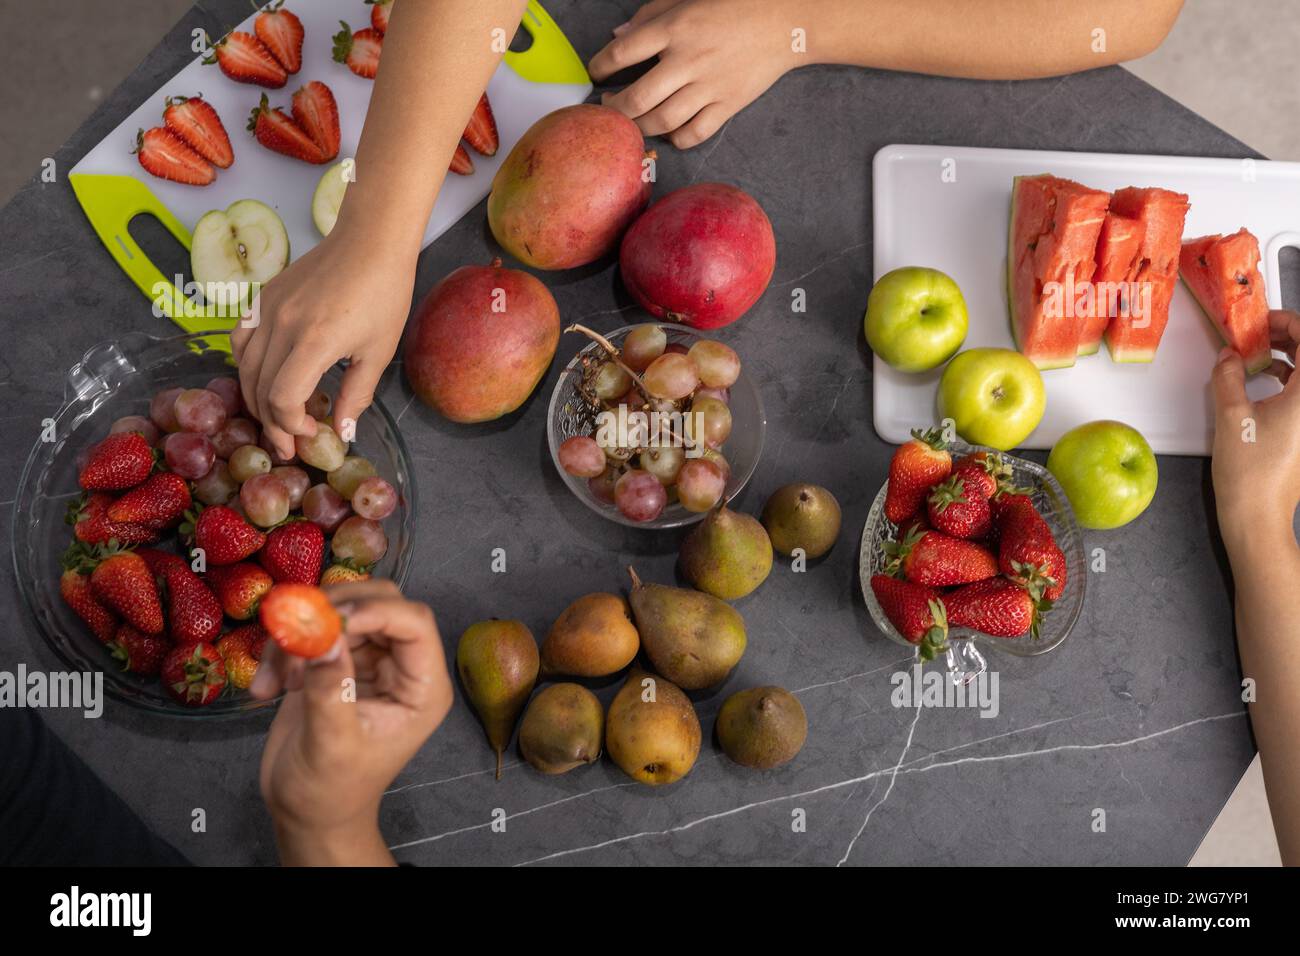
[
  {"x": 1257, "y": 482},
  {"x": 715, "y": 58},
  {"x": 345, "y": 299},
  {"x": 335, "y": 744}
]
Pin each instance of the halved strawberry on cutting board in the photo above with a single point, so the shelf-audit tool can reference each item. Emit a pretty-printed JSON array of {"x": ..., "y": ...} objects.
[
  {"x": 359, "y": 51},
  {"x": 317, "y": 113},
  {"x": 481, "y": 133},
  {"x": 1223, "y": 275},
  {"x": 245, "y": 59},
  {"x": 196, "y": 123},
  {"x": 164, "y": 154},
  {"x": 461, "y": 164},
  {"x": 278, "y": 132},
  {"x": 1153, "y": 275},
  {"x": 380, "y": 11},
  {"x": 282, "y": 33},
  {"x": 1050, "y": 258},
  {"x": 1117, "y": 259}
]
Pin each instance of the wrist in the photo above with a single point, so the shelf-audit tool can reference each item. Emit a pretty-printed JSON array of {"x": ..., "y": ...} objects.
[
  {"x": 1253, "y": 531},
  {"x": 351, "y": 843}
]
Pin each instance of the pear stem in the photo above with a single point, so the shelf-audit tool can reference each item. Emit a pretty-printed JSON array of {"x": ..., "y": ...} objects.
[
  {"x": 636, "y": 580},
  {"x": 498, "y": 764}
]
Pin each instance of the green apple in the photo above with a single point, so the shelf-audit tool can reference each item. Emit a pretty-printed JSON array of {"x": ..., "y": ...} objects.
[
  {"x": 995, "y": 397},
  {"x": 327, "y": 199},
  {"x": 1108, "y": 472},
  {"x": 236, "y": 250},
  {"x": 916, "y": 318}
]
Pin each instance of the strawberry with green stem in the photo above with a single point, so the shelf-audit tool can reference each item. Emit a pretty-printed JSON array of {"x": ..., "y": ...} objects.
[
  {"x": 158, "y": 503},
  {"x": 938, "y": 560},
  {"x": 246, "y": 59},
  {"x": 74, "y": 588},
  {"x": 122, "y": 460},
  {"x": 241, "y": 649},
  {"x": 996, "y": 607},
  {"x": 239, "y": 588},
  {"x": 195, "y": 122},
  {"x": 139, "y": 653},
  {"x": 917, "y": 466},
  {"x": 959, "y": 509},
  {"x": 194, "y": 674},
  {"x": 122, "y": 581},
  {"x": 223, "y": 534},
  {"x": 916, "y": 611},
  {"x": 982, "y": 472},
  {"x": 88, "y": 516},
  {"x": 359, "y": 51},
  {"x": 294, "y": 552}
]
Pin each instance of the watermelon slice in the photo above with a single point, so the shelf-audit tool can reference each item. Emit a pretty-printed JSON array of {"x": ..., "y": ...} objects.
[
  {"x": 1160, "y": 214},
  {"x": 1223, "y": 274},
  {"x": 1052, "y": 242},
  {"x": 1117, "y": 257}
]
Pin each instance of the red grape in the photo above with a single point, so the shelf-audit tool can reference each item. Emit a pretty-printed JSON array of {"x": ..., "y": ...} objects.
[
  {"x": 700, "y": 484},
  {"x": 235, "y": 432},
  {"x": 325, "y": 506},
  {"x": 721, "y": 394},
  {"x": 602, "y": 486},
  {"x": 216, "y": 487},
  {"x": 709, "y": 420},
  {"x": 296, "y": 480},
  {"x": 671, "y": 376},
  {"x": 189, "y": 455},
  {"x": 610, "y": 381},
  {"x": 198, "y": 410},
  {"x": 345, "y": 478},
  {"x": 374, "y": 498},
  {"x": 162, "y": 409},
  {"x": 227, "y": 387},
  {"x": 265, "y": 499},
  {"x": 581, "y": 456},
  {"x": 137, "y": 423},
  {"x": 718, "y": 364},
  {"x": 643, "y": 345},
  {"x": 640, "y": 495},
  {"x": 360, "y": 539}
]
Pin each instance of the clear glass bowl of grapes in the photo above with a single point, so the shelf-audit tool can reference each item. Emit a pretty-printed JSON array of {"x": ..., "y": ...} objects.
[
  {"x": 652, "y": 425},
  {"x": 135, "y": 384}
]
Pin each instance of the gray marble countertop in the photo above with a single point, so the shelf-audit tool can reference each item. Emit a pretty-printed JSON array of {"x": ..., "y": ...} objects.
[{"x": 1138, "y": 714}]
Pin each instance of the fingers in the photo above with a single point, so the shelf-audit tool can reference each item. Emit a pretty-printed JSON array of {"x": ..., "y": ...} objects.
[
  {"x": 244, "y": 329},
  {"x": 277, "y": 351},
  {"x": 634, "y": 45},
  {"x": 673, "y": 112},
  {"x": 356, "y": 392},
  {"x": 294, "y": 383},
  {"x": 1280, "y": 369},
  {"x": 1229, "y": 386},
  {"x": 410, "y": 632},
  {"x": 276, "y": 672},
  {"x": 1284, "y": 331},
  {"x": 329, "y": 714},
  {"x": 703, "y": 125},
  {"x": 250, "y": 366},
  {"x": 646, "y": 93},
  {"x": 647, "y": 11}
]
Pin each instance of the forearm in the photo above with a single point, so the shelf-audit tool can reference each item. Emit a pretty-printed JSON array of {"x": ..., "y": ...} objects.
[
  {"x": 437, "y": 60},
  {"x": 989, "y": 40},
  {"x": 1266, "y": 571}
]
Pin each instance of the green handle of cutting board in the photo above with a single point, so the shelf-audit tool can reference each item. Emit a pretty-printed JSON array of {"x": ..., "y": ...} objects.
[
  {"x": 550, "y": 58},
  {"x": 110, "y": 203}
]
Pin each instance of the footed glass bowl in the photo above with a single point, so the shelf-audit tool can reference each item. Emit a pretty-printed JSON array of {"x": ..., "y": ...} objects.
[
  {"x": 115, "y": 379},
  {"x": 964, "y": 660},
  {"x": 570, "y": 415}
]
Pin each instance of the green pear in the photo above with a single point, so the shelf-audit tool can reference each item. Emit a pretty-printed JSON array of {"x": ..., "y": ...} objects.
[
  {"x": 728, "y": 554},
  {"x": 690, "y": 637},
  {"x": 651, "y": 730},
  {"x": 762, "y": 727},
  {"x": 562, "y": 728},
  {"x": 802, "y": 516},
  {"x": 497, "y": 662}
]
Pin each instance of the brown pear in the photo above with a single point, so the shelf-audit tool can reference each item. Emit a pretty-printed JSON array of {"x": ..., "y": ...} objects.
[
  {"x": 690, "y": 637},
  {"x": 728, "y": 554},
  {"x": 762, "y": 727},
  {"x": 651, "y": 730},
  {"x": 497, "y": 662},
  {"x": 562, "y": 728},
  {"x": 802, "y": 516},
  {"x": 593, "y": 637}
]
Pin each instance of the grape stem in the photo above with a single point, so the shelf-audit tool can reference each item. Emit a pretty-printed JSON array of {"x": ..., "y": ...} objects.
[{"x": 608, "y": 346}]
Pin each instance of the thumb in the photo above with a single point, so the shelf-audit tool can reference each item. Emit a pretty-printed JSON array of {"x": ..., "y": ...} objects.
[
  {"x": 356, "y": 393},
  {"x": 1229, "y": 386},
  {"x": 329, "y": 709}
]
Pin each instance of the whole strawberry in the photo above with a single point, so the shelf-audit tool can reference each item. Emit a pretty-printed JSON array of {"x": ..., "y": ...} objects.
[
  {"x": 294, "y": 552},
  {"x": 122, "y": 460},
  {"x": 193, "y": 611},
  {"x": 939, "y": 560},
  {"x": 123, "y": 582},
  {"x": 959, "y": 510},
  {"x": 996, "y": 606},
  {"x": 915, "y": 610},
  {"x": 343, "y": 572},
  {"x": 239, "y": 588},
  {"x": 982, "y": 472},
  {"x": 241, "y": 649},
  {"x": 225, "y": 536},
  {"x": 917, "y": 466},
  {"x": 1027, "y": 551},
  {"x": 194, "y": 674},
  {"x": 158, "y": 503},
  {"x": 139, "y": 653},
  {"x": 88, "y": 516},
  {"x": 74, "y": 588}
]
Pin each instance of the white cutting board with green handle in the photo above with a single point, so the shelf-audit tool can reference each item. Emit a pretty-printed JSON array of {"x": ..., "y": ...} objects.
[
  {"x": 113, "y": 188},
  {"x": 947, "y": 207}
]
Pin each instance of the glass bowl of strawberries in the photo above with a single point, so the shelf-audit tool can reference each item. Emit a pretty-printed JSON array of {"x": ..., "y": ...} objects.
[
  {"x": 150, "y": 520},
  {"x": 966, "y": 547}
]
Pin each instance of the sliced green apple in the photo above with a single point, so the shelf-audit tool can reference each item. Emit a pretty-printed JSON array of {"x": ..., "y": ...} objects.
[
  {"x": 329, "y": 195},
  {"x": 234, "y": 250}
]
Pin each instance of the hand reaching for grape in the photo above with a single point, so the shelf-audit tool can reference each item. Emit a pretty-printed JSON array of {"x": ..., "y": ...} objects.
[
  {"x": 330, "y": 305},
  {"x": 715, "y": 58}
]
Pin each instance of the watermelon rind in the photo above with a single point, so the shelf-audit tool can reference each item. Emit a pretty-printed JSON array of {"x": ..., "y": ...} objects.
[{"x": 1255, "y": 363}]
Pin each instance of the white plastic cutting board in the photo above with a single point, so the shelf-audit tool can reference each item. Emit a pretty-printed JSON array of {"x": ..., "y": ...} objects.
[
  {"x": 947, "y": 207},
  {"x": 288, "y": 184}
]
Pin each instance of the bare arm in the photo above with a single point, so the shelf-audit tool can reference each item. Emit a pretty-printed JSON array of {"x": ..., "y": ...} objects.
[
  {"x": 718, "y": 56},
  {"x": 348, "y": 298},
  {"x": 1257, "y": 487}
]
